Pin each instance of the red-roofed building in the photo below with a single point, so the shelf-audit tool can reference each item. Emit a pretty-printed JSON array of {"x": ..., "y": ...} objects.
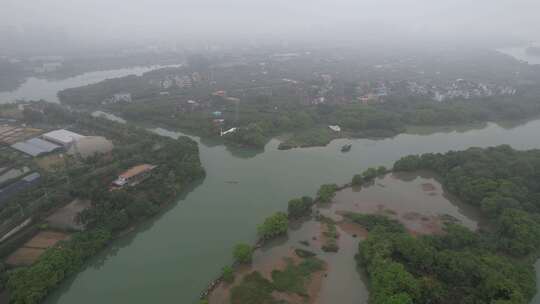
[{"x": 134, "y": 175}]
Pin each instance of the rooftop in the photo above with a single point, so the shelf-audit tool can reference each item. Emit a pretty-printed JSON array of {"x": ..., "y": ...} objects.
[
  {"x": 35, "y": 146},
  {"x": 133, "y": 171},
  {"x": 63, "y": 136}
]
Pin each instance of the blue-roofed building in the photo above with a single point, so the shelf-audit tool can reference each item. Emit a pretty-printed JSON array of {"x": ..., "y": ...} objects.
[
  {"x": 35, "y": 146},
  {"x": 18, "y": 186}
]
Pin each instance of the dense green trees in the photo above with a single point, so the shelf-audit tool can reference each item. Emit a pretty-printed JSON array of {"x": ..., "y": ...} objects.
[
  {"x": 227, "y": 273},
  {"x": 299, "y": 207},
  {"x": 29, "y": 285},
  {"x": 243, "y": 253},
  {"x": 461, "y": 266},
  {"x": 503, "y": 182},
  {"x": 251, "y": 135},
  {"x": 368, "y": 175},
  {"x": 315, "y": 136},
  {"x": 326, "y": 193},
  {"x": 261, "y": 115},
  {"x": 452, "y": 268},
  {"x": 519, "y": 232},
  {"x": 177, "y": 163},
  {"x": 274, "y": 225}
]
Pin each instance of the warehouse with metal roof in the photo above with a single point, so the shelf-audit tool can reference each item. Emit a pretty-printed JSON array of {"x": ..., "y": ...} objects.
[
  {"x": 62, "y": 137},
  {"x": 35, "y": 147}
]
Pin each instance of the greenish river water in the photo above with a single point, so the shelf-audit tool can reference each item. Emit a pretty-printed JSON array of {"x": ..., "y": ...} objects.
[
  {"x": 171, "y": 258},
  {"x": 34, "y": 88}
]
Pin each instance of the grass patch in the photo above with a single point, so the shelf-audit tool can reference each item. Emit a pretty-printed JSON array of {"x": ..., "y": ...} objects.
[
  {"x": 370, "y": 221},
  {"x": 254, "y": 289},
  {"x": 331, "y": 235},
  {"x": 304, "y": 253},
  {"x": 51, "y": 162},
  {"x": 293, "y": 278}
]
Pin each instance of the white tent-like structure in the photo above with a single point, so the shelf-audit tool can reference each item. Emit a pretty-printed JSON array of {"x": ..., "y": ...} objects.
[{"x": 62, "y": 137}]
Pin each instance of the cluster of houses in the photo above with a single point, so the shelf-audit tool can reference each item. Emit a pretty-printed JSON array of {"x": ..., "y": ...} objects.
[
  {"x": 118, "y": 98},
  {"x": 457, "y": 89},
  {"x": 179, "y": 81},
  {"x": 464, "y": 89},
  {"x": 368, "y": 93}
]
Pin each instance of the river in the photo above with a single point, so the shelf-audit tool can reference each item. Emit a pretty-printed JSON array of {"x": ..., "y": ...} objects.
[
  {"x": 39, "y": 88},
  {"x": 172, "y": 257}
]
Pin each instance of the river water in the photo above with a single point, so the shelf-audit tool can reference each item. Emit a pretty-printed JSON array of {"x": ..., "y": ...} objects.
[
  {"x": 38, "y": 88},
  {"x": 171, "y": 258}
]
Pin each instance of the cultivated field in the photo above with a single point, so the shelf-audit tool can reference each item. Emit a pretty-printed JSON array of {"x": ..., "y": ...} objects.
[{"x": 32, "y": 249}]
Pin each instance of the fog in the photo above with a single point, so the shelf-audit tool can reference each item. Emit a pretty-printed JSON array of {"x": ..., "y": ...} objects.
[{"x": 50, "y": 24}]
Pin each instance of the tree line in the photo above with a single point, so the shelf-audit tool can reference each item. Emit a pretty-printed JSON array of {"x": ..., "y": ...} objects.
[
  {"x": 178, "y": 166},
  {"x": 461, "y": 266}
]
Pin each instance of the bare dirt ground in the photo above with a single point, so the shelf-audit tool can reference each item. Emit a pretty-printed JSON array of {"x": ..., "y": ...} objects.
[
  {"x": 31, "y": 250},
  {"x": 51, "y": 162},
  {"x": 24, "y": 256},
  {"x": 10, "y": 134},
  {"x": 46, "y": 239},
  {"x": 64, "y": 218}
]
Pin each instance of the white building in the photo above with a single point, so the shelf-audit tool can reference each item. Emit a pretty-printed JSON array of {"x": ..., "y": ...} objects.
[
  {"x": 62, "y": 137},
  {"x": 335, "y": 128},
  {"x": 121, "y": 97}
]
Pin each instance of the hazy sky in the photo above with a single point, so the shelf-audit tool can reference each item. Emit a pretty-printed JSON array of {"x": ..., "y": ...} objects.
[{"x": 208, "y": 19}]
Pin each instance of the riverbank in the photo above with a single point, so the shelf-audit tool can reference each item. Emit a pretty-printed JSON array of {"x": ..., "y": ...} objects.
[
  {"x": 397, "y": 224},
  {"x": 175, "y": 166},
  {"x": 224, "y": 214},
  {"x": 312, "y": 233}
]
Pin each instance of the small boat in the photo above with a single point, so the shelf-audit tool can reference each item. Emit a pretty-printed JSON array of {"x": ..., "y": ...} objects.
[{"x": 346, "y": 148}]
